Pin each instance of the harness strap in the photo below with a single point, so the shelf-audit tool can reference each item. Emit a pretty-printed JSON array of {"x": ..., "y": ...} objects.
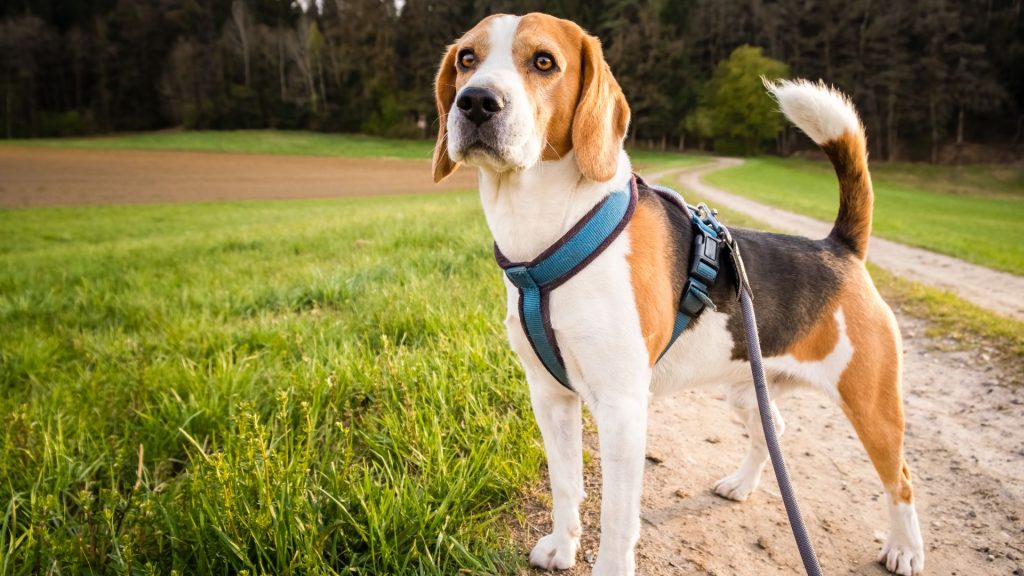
[
  {"x": 705, "y": 262},
  {"x": 585, "y": 241},
  {"x": 563, "y": 260}
]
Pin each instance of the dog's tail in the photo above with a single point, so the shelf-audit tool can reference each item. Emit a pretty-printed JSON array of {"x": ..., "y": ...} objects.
[{"x": 828, "y": 117}]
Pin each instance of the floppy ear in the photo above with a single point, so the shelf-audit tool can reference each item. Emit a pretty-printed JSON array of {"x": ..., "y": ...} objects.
[
  {"x": 602, "y": 116},
  {"x": 444, "y": 91}
]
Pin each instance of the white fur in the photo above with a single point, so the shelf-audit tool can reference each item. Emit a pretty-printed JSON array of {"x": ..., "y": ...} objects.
[
  {"x": 595, "y": 319},
  {"x": 519, "y": 144},
  {"x": 903, "y": 552},
  {"x": 531, "y": 204},
  {"x": 822, "y": 112},
  {"x": 824, "y": 373}
]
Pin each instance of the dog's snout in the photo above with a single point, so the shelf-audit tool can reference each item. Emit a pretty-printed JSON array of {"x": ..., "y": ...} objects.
[{"x": 479, "y": 104}]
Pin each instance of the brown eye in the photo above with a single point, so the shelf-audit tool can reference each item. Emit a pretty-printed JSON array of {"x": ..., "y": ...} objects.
[
  {"x": 467, "y": 59},
  {"x": 543, "y": 62}
]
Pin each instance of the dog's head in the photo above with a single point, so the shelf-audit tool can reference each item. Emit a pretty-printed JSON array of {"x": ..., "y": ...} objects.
[{"x": 516, "y": 90}]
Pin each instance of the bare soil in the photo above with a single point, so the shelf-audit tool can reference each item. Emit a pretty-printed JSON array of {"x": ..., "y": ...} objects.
[
  {"x": 62, "y": 177},
  {"x": 964, "y": 444}
]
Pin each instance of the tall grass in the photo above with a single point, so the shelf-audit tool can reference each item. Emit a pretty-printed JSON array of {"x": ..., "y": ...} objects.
[{"x": 315, "y": 387}]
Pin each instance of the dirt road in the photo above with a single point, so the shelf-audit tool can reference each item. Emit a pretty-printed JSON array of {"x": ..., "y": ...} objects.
[
  {"x": 964, "y": 443},
  {"x": 998, "y": 291},
  {"x": 63, "y": 177}
]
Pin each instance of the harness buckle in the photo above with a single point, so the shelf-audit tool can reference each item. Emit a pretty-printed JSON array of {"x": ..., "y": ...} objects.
[{"x": 520, "y": 277}]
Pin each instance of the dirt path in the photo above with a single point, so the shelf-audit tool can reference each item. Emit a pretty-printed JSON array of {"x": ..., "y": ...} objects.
[
  {"x": 964, "y": 444},
  {"x": 63, "y": 177},
  {"x": 998, "y": 291}
]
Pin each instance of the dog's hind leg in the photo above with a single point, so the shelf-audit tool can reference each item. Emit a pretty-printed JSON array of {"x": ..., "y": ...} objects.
[
  {"x": 870, "y": 396},
  {"x": 558, "y": 414},
  {"x": 741, "y": 484},
  {"x": 874, "y": 407}
]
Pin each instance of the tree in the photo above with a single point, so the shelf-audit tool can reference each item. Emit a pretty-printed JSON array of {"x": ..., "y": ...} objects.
[{"x": 742, "y": 116}]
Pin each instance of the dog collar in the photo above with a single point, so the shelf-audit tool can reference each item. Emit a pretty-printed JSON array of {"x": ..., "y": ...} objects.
[{"x": 586, "y": 241}]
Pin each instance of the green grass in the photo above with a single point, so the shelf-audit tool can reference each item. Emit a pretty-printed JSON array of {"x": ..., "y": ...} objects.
[
  {"x": 249, "y": 142},
  {"x": 976, "y": 214},
  {"x": 646, "y": 161},
  {"x": 308, "y": 387},
  {"x": 296, "y": 143}
]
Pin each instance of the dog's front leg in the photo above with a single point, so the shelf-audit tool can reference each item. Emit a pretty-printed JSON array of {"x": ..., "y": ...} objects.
[
  {"x": 558, "y": 413},
  {"x": 622, "y": 429}
]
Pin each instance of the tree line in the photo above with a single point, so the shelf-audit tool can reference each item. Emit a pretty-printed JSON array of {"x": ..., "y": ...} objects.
[{"x": 930, "y": 77}]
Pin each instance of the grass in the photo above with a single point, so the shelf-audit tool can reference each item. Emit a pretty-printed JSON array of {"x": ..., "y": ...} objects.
[
  {"x": 249, "y": 142},
  {"x": 976, "y": 214},
  {"x": 646, "y": 161},
  {"x": 307, "y": 387},
  {"x": 294, "y": 143}
]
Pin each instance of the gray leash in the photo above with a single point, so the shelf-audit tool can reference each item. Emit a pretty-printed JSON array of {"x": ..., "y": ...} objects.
[{"x": 764, "y": 403}]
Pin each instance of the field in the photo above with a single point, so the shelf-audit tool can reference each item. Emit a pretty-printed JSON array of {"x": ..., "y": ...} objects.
[
  {"x": 973, "y": 213},
  {"x": 287, "y": 143},
  {"x": 320, "y": 386},
  {"x": 305, "y": 387}
]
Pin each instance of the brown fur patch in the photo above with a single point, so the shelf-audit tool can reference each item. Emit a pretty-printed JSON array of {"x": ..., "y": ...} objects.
[
  {"x": 650, "y": 269},
  {"x": 819, "y": 341},
  {"x": 554, "y": 94},
  {"x": 870, "y": 385},
  {"x": 848, "y": 154}
]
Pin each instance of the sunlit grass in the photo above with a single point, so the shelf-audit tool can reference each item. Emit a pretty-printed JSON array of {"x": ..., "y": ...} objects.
[
  {"x": 249, "y": 142},
  {"x": 316, "y": 387}
]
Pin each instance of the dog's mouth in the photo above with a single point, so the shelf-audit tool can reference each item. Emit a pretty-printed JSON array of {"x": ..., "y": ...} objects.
[
  {"x": 480, "y": 147},
  {"x": 484, "y": 154}
]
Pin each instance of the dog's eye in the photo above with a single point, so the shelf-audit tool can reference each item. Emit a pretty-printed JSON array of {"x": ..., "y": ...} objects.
[
  {"x": 467, "y": 59},
  {"x": 543, "y": 62}
]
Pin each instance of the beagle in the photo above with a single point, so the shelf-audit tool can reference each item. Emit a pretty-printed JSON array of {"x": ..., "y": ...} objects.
[{"x": 531, "y": 104}]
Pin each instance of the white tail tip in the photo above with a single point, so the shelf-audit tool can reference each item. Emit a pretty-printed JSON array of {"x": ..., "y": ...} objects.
[{"x": 822, "y": 112}]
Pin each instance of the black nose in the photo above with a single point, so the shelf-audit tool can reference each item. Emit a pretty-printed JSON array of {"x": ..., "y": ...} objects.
[{"x": 479, "y": 104}]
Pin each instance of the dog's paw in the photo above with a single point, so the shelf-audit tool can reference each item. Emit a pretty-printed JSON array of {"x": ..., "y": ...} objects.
[
  {"x": 903, "y": 558},
  {"x": 737, "y": 486},
  {"x": 607, "y": 566},
  {"x": 554, "y": 552}
]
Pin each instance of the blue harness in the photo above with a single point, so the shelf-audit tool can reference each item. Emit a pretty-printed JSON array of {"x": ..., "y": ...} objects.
[{"x": 588, "y": 239}]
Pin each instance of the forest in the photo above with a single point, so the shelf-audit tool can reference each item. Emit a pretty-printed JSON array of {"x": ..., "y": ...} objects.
[{"x": 935, "y": 80}]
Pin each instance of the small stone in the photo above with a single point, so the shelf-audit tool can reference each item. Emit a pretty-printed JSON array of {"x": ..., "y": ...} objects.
[
  {"x": 990, "y": 558},
  {"x": 712, "y": 439},
  {"x": 655, "y": 458},
  {"x": 762, "y": 543},
  {"x": 680, "y": 493},
  {"x": 880, "y": 536},
  {"x": 588, "y": 556}
]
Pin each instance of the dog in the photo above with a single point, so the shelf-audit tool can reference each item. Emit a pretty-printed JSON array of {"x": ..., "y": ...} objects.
[{"x": 530, "y": 102}]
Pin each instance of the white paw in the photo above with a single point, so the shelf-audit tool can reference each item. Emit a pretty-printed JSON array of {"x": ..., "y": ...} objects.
[
  {"x": 902, "y": 558},
  {"x": 555, "y": 552},
  {"x": 737, "y": 486},
  {"x": 903, "y": 552},
  {"x": 623, "y": 566}
]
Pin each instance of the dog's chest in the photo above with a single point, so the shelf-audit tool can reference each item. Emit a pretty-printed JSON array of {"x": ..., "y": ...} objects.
[{"x": 594, "y": 318}]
